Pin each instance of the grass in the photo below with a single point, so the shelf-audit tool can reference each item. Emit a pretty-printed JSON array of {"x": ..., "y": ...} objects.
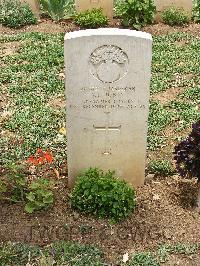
[
  {"x": 74, "y": 254},
  {"x": 31, "y": 79},
  {"x": 62, "y": 253}
]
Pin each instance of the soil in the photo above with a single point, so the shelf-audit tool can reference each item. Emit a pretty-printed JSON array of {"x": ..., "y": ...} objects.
[
  {"x": 47, "y": 26},
  {"x": 168, "y": 95},
  {"x": 165, "y": 212}
]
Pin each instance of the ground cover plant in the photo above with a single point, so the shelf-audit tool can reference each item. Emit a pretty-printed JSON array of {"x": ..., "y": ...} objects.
[
  {"x": 161, "y": 167},
  {"x": 60, "y": 253},
  {"x": 85, "y": 255},
  {"x": 196, "y": 10},
  {"x": 175, "y": 16},
  {"x": 15, "y": 14}
]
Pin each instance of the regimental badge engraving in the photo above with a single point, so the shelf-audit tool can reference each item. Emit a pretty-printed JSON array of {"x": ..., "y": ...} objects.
[{"x": 109, "y": 63}]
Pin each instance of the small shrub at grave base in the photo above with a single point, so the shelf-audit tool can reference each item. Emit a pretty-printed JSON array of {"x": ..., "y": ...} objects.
[
  {"x": 91, "y": 19},
  {"x": 196, "y": 10},
  {"x": 103, "y": 195},
  {"x": 175, "y": 17},
  {"x": 187, "y": 154},
  {"x": 15, "y": 14},
  {"x": 161, "y": 167},
  {"x": 56, "y": 9},
  {"x": 136, "y": 14}
]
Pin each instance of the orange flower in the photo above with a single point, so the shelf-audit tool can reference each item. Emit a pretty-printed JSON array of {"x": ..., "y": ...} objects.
[
  {"x": 40, "y": 157},
  {"x": 48, "y": 157}
]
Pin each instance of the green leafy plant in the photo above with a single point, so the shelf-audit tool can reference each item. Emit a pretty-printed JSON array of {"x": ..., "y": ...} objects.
[
  {"x": 15, "y": 14},
  {"x": 162, "y": 167},
  {"x": 91, "y": 19},
  {"x": 196, "y": 10},
  {"x": 136, "y": 14},
  {"x": 56, "y": 9},
  {"x": 39, "y": 196},
  {"x": 14, "y": 187},
  {"x": 18, "y": 188},
  {"x": 103, "y": 195},
  {"x": 175, "y": 17}
]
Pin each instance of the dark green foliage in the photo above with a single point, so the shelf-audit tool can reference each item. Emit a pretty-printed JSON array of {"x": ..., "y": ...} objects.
[
  {"x": 196, "y": 10},
  {"x": 187, "y": 154},
  {"x": 102, "y": 195},
  {"x": 136, "y": 14},
  {"x": 55, "y": 8},
  {"x": 175, "y": 17},
  {"x": 161, "y": 167},
  {"x": 15, "y": 14},
  {"x": 91, "y": 19}
]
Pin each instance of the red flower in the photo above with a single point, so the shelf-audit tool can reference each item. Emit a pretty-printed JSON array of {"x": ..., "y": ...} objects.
[
  {"x": 40, "y": 157},
  {"x": 48, "y": 157}
]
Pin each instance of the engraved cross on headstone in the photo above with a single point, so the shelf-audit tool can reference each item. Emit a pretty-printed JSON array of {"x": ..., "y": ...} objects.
[{"x": 107, "y": 129}]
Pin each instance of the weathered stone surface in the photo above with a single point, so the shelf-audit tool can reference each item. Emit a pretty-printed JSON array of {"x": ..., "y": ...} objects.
[
  {"x": 34, "y": 5},
  {"x": 106, "y": 5},
  {"x": 162, "y": 5},
  {"x": 107, "y": 89}
]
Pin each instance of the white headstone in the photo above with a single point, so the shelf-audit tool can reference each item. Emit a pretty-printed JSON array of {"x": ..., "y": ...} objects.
[
  {"x": 106, "y": 5},
  {"x": 107, "y": 89}
]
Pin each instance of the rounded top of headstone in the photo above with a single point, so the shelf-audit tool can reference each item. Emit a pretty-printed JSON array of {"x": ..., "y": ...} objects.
[{"x": 107, "y": 31}]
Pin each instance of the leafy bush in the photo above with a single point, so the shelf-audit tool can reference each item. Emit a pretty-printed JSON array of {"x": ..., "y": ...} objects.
[
  {"x": 56, "y": 8},
  {"x": 40, "y": 195},
  {"x": 18, "y": 188},
  {"x": 15, "y": 14},
  {"x": 91, "y": 18},
  {"x": 175, "y": 16},
  {"x": 14, "y": 187},
  {"x": 196, "y": 10},
  {"x": 187, "y": 154},
  {"x": 102, "y": 195},
  {"x": 162, "y": 167},
  {"x": 136, "y": 14}
]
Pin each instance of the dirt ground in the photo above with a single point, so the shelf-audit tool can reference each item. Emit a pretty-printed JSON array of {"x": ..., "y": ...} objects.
[
  {"x": 165, "y": 214},
  {"x": 47, "y": 26}
]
